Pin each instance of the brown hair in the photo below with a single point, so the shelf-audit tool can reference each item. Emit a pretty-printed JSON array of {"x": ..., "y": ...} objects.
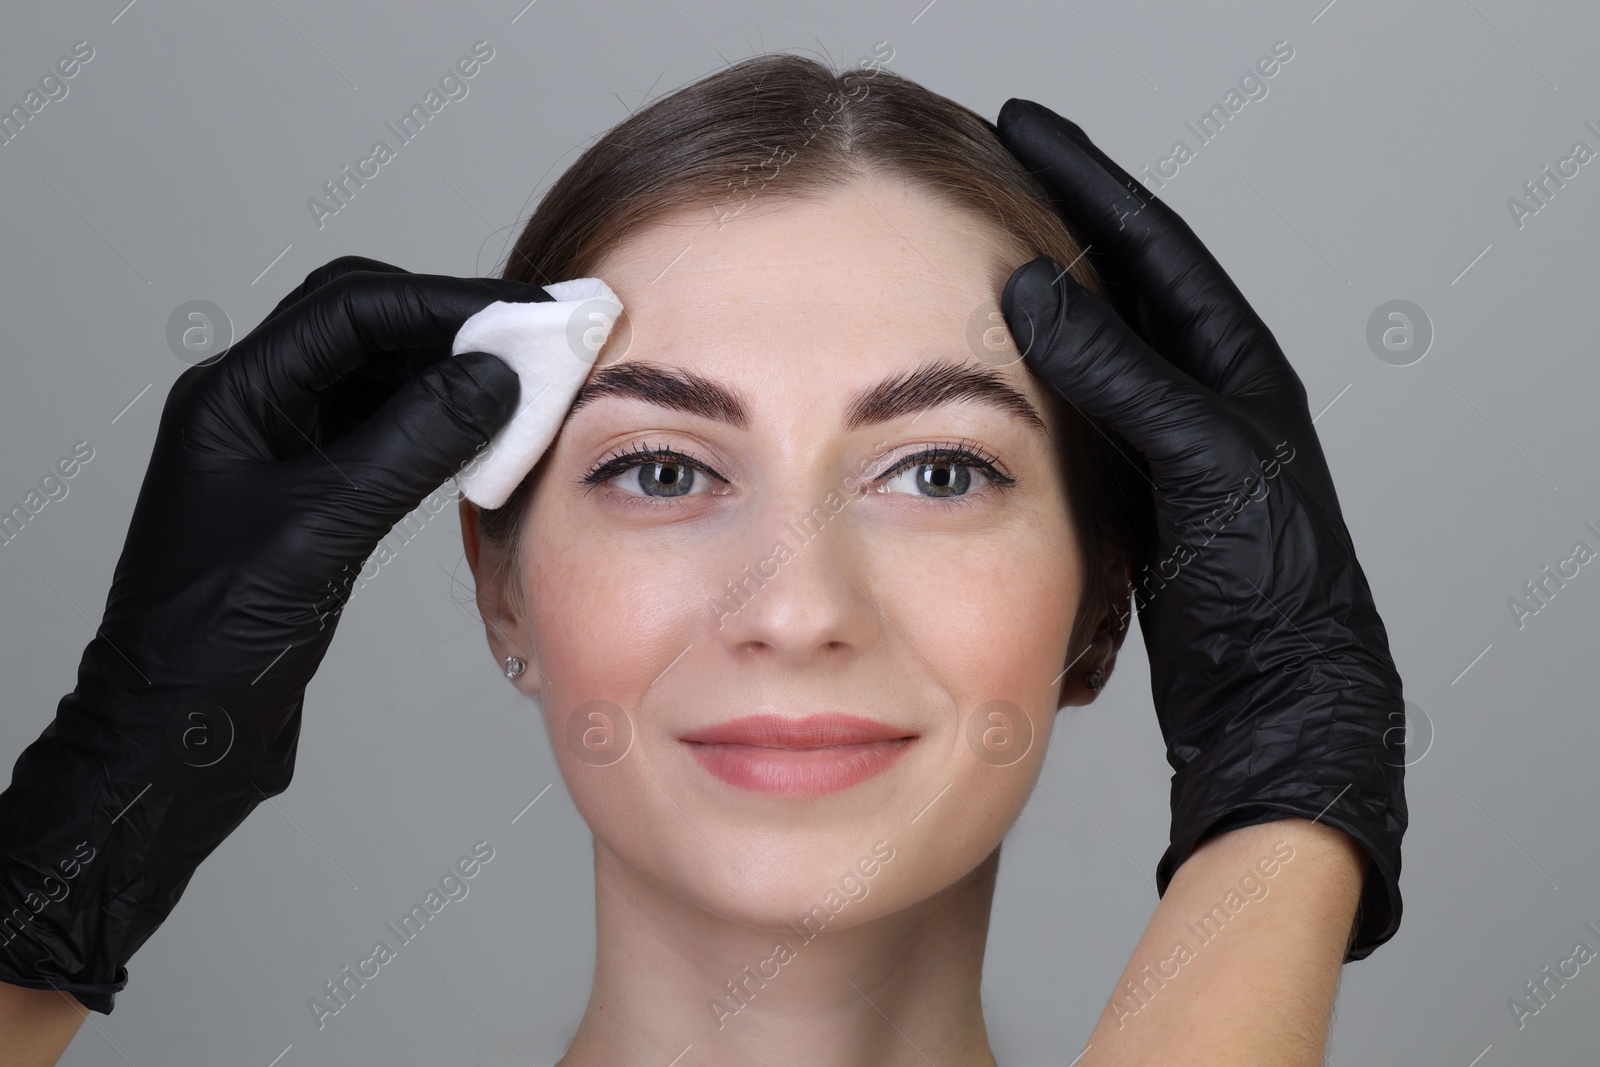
[{"x": 785, "y": 125}]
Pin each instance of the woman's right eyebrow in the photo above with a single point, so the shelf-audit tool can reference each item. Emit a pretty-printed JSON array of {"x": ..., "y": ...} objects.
[
  {"x": 680, "y": 390},
  {"x": 927, "y": 386}
]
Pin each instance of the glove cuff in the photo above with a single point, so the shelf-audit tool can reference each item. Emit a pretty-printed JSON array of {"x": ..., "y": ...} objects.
[{"x": 1354, "y": 783}]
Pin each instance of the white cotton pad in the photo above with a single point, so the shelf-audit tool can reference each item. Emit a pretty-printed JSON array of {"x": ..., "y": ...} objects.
[{"x": 552, "y": 345}]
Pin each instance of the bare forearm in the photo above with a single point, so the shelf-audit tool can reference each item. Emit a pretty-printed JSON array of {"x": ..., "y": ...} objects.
[
  {"x": 36, "y": 1025},
  {"x": 1240, "y": 963}
]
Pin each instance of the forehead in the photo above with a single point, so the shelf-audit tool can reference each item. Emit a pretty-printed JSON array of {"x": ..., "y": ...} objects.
[{"x": 787, "y": 294}]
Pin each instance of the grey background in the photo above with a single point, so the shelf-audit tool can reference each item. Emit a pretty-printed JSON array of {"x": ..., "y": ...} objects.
[{"x": 1377, "y": 168}]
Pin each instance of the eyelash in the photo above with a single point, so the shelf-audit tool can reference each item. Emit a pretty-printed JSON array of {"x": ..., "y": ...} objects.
[{"x": 964, "y": 452}]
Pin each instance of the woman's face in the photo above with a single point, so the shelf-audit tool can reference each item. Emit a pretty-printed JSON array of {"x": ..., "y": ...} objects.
[{"x": 843, "y": 507}]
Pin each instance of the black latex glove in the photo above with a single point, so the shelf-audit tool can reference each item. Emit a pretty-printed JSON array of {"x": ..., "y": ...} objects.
[
  {"x": 1269, "y": 665},
  {"x": 275, "y": 472}
]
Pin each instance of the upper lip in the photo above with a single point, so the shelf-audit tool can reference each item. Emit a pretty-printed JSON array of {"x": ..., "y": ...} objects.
[{"x": 812, "y": 731}]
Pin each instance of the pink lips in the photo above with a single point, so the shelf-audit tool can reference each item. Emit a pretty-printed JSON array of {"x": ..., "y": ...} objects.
[{"x": 821, "y": 753}]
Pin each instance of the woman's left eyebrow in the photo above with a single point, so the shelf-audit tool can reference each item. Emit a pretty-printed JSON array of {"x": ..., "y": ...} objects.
[
  {"x": 933, "y": 384},
  {"x": 927, "y": 386}
]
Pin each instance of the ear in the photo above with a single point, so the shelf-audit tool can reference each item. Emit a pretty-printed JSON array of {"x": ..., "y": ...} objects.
[
  {"x": 1101, "y": 655},
  {"x": 497, "y": 600}
]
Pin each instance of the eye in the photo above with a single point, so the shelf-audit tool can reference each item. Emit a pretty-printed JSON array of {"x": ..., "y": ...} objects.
[
  {"x": 943, "y": 472},
  {"x": 660, "y": 477},
  {"x": 936, "y": 478},
  {"x": 656, "y": 473}
]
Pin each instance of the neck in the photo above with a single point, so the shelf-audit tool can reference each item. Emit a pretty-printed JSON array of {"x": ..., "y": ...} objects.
[{"x": 901, "y": 990}]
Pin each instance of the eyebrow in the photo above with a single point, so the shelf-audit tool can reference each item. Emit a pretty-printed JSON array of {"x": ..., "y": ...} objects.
[{"x": 919, "y": 389}]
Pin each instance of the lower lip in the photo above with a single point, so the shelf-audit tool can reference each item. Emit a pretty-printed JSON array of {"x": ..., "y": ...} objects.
[{"x": 801, "y": 771}]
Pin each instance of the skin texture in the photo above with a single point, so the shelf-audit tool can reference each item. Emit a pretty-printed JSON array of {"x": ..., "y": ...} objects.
[
  {"x": 1262, "y": 990},
  {"x": 906, "y": 608},
  {"x": 36, "y": 1025}
]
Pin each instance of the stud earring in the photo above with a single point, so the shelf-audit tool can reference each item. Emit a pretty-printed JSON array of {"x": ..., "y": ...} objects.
[
  {"x": 514, "y": 666},
  {"x": 1095, "y": 679}
]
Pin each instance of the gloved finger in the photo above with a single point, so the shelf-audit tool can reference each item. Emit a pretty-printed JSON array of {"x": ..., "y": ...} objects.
[
  {"x": 1208, "y": 327},
  {"x": 330, "y": 270},
  {"x": 1078, "y": 345},
  {"x": 360, "y": 393},
  {"x": 425, "y": 434},
  {"x": 408, "y": 320}
]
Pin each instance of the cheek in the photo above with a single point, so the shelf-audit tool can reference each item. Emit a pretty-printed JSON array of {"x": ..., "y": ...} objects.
[
  {"x": 601, "y": 609},
  {"x": 606, "y": 619},
  {"x": 991, "y": 614}
]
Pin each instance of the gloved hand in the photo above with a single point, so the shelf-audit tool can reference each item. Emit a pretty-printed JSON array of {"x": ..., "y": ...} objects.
[
  {"x": 1269, "y": 665},
  {"x": 274, "y": 474}
]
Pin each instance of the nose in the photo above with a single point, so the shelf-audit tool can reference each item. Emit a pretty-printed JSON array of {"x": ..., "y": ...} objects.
[{"x": 794, "y": 587}]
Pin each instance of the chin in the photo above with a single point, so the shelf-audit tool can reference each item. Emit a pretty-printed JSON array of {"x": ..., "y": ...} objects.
[{"x": 831, "y": 888}]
